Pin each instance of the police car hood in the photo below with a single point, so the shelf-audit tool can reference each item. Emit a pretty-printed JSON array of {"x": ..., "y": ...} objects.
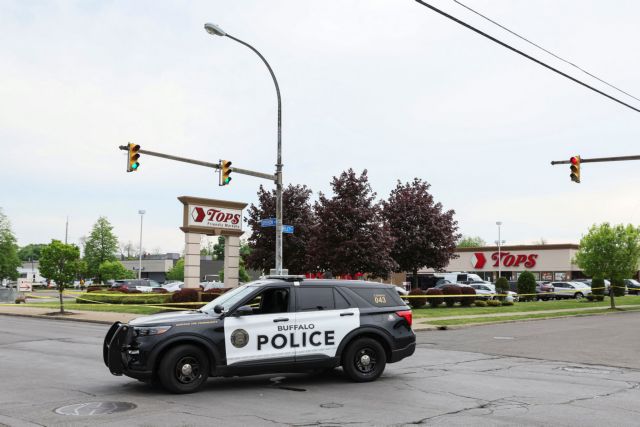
[{"x": 169, "y": 318}]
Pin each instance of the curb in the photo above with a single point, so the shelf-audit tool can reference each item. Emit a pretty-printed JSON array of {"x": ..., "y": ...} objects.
[
  {"x": 430, "y": 327},
  {"x": 44, "y": 316}
]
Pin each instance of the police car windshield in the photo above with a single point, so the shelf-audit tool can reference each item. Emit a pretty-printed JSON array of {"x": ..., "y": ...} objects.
[{"x": 228, "y": 299}]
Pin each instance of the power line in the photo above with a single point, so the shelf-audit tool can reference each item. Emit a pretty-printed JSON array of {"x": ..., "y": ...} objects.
[
  {"x": 537, "y": 61},
  {"x": 542, "y": 48}
]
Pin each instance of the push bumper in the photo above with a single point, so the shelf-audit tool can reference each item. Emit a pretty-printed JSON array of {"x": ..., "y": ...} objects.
[{"x": 117, "y": 352}]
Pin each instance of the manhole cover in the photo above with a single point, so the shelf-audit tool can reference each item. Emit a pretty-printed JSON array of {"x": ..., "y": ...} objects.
[
  {"x": 95, "y": 408},
  {"x": 331, "y": 405}
]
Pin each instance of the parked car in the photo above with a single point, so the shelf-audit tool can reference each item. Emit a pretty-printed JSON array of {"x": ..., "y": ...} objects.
[
  {"x": 633, "y": 286},
  {"x": 142, "y": 285},
  {"x": 173, "y": 286},
  {"x": 544, "y": 291},
  {"x": 211, "y": 285},
  {"x": 484, "y": 291},
  {"x": 577, "y": 290}
]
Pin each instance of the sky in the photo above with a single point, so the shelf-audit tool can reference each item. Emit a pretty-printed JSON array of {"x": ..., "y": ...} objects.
[{"x": 388, "y": 86}]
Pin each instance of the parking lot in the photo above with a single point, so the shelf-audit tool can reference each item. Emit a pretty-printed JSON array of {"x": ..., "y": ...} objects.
[{"x": 573, "y": 371}]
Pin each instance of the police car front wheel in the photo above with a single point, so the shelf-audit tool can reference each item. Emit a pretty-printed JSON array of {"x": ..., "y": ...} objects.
[
  {"x": 184, "y": 369},
  {"x": 364, "y": 360}
]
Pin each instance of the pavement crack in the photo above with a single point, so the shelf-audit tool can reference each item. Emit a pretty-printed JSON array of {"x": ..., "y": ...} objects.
[{"x": 632, "y": 386}]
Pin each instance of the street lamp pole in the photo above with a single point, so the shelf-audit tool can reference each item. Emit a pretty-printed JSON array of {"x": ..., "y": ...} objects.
[
  {"x": 141, "y": 212},
  {"x": 499, "y": 223},
  {"x": 215, "y": 30}
]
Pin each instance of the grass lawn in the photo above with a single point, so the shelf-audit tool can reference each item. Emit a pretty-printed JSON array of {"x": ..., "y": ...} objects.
[
  {"x": 467, "y": 321},
  {"x": 116, "y": 308},
  {"x": 522, "y": 306}
]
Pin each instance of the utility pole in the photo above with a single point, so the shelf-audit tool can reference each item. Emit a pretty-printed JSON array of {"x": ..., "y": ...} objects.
[
  {"x": 141, "y": 212},
  {"x": 66, "y": 230}
]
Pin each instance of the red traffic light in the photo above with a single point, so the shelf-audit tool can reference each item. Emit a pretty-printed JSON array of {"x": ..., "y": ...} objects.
[{"x": 574, "y": 160}]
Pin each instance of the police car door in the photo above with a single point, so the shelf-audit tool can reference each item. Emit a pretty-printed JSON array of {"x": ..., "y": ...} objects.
[
  {"x": 252, "y": 335},
  {"x": 323, "y": 318}
]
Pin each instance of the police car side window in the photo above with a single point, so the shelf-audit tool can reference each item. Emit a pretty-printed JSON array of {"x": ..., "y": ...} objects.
[
  {"x": 270, "y": 301},
  {"x": 341, "y": 301},
  {"x": 315, "y": 298}
]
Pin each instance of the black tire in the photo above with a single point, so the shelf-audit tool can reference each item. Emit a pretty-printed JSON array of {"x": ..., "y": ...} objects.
[
  {"x": 183, "y": 369},
  {"x": 364, "y": 360},
  {"x": 578, "y": 296}
]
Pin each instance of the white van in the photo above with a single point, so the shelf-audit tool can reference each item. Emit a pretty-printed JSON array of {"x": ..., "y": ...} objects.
[{"x": 459, "y": 277}]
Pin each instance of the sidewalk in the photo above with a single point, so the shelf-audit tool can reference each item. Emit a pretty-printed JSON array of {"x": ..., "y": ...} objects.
[
  {"x": 104, "y": 317},
  {"x": 422, "y": 323}
]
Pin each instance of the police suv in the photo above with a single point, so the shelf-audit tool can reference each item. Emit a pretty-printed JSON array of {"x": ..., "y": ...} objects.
[{"x": 279, "y": 324}]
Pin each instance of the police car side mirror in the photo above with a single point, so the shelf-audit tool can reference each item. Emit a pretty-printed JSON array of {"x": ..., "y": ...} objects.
[
  {"x": 218, "y": 309},
  {"x": 243, "y": 310}
]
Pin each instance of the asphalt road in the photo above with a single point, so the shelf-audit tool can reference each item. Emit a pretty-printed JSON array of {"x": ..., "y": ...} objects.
[{"x": 565, "y": 372}]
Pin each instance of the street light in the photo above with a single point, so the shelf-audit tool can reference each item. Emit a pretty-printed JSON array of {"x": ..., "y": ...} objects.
[
  {"x": 141, "y": 212},
  {"x": 213, "y": 29},
  {"x": 499, "y": 223}
]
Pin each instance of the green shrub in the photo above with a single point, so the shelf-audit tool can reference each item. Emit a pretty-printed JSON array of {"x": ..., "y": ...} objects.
[
  {"x": 467, "y": 301},
  {"x": 451, "y": 290},
  {"x": 434, "y": 302},
  {"x": 502, "y": 286},
  {"x": 494, "y": 303},
  {"x": 507, "y": 302},
  {"x": 185, "y": 295},
  {"x": 120, "y": 298},
  {"x": 526, "y": 286},
  {"x": 417, "y": 302},
  {"x": 480, "y": 303},
  {"x": 619, "y": 288}
]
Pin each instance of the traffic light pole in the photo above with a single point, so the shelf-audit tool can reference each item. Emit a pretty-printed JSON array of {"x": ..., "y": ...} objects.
[
  {"x": 597, "y": 160},
  {"x": 205, "y": 164}
]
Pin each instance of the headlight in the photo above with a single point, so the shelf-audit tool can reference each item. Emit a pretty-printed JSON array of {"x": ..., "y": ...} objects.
[{"x": 151, "y": 330}]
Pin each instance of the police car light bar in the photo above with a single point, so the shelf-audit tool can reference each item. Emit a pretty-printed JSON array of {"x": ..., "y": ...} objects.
[{"x": 287, "y": 277}]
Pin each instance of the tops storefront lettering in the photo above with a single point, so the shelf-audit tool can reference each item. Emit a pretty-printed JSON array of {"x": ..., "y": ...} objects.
[{"x": 505, "y": 259}]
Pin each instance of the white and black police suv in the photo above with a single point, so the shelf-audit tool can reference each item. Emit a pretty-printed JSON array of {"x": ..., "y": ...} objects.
[{"x": 279, "y": 324}]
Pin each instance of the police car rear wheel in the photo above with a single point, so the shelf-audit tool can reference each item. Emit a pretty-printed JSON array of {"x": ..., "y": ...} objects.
[
  {"x": 364, "y": 360},
  {"x": 184, "y": 369}
]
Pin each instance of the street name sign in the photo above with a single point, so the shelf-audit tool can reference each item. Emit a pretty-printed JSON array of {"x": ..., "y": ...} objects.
[
  {"x": 269, "y": 222},
  {"x": 287, "y": 229}
]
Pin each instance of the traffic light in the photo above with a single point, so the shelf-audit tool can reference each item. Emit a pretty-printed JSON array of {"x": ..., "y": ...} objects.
[
  {"x": 132, "y": 161},
  {"x": 575, "y": 169},
  {"x": 225, "y": 172}
]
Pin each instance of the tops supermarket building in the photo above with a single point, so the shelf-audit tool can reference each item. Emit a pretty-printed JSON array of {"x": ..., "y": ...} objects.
[{"x": 546, "y": 262}]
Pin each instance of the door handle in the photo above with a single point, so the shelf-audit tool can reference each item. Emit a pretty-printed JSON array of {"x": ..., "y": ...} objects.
[
  {"x": 346, "y": 314},
  {"x": 281, "y": 319}
]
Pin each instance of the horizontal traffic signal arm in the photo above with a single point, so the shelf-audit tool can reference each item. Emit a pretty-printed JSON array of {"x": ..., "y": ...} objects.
[
  {"x": 270, "y": 177},
  {"x": 596, "y": 160}
]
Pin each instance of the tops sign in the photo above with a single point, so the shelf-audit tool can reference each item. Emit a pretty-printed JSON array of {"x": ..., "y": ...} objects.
[
  {"x": 505, "y": 259},
  {"x": 212, "y": 217},
  {"x": 205, "y": 216}
]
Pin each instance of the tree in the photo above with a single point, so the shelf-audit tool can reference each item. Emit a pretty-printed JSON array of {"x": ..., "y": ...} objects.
[
  {"x": 9, "y": 260},
  {"x": 502, "y": 287},
  {"x": 610, "y": 252},
  {"x": 526, "y": 286},
  {"x": 114, "y": 270},
  {"x": 471, "y": 242},
  {"x": 31, "y": 252},
  {"x": 100, "y": 246},
  {"x": 218, "y": 249},
  {"x": 297, "y": 211},
  {"x": 177, "y": 271},
  {"x": 350, "y": 235},
  {"x": 60, "y": 262},
  {"x": 424, "y": 234}
]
